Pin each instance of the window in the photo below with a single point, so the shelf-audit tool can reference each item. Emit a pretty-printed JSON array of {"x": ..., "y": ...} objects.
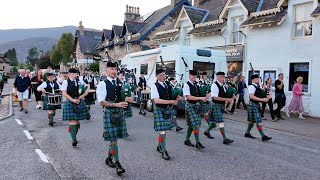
[
  {"x": 204, "y": 66},
  {"x": 170, "y": 67},
  {"x": 270, "y": 74},
  {"x": 250, "y": 74},
  {"x": 303, "y": 20},
  {"x": 296, "y": 70},
  {"x": 186, "y": 37},
  {"x": 144, "y": 68},
  {"x": 237, "y": 37}
]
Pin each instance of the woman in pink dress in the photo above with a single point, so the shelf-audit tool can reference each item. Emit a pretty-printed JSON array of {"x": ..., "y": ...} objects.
[{"x": 296, "y": 101}]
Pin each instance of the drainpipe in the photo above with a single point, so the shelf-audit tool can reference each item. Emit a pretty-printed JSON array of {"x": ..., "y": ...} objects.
[{"x": 225, "y": 39}]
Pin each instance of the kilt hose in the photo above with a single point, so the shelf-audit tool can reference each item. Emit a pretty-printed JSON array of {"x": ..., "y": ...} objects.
[
  {"x": 161, "y": 124},
  {"x": 193, "y": 118},
  {"x": 46, "y": 106},
  {"x": 216, "y": 113},
  {"x": 113, "y": 132},
  {"x": 254, "y": 113},
  {"x": 128, "y": 111},
  {"x": 69, "y": 114}
]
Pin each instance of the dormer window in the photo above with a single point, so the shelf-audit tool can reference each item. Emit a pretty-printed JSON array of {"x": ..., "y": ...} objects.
[
  {"x": 237, "y": 37},
  {"x": 302, "y": 20}
]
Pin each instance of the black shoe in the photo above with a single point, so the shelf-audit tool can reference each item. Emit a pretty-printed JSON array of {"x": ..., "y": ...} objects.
[
  {"x": 208, "y": 135},
  {"x": 281, "y": 118},
  {"x": 21, "y": 109},
  {"x": 188, "y": 143},
  {"x": 227, "y": 141},
  {"x": 266, "y": 138},
  {"x": 238, "y": 108},
  {"x": 50, "y": 123},
  {"x": 119, "y": 168},
  {"x": 248, "y": 135},
  {"x": 74, "y": 143},
  {"x": 110, "y": 163},
  {"x": 144, "y": 113},
  {"x": 140, "y": 112},
  {"x": 159, "y": 149},
  {"x": 179, "y": 129},
  {"x": 165, "y": 156},
  {"x": 26, "y": 111},
  {"x": 199, "y": 145}
]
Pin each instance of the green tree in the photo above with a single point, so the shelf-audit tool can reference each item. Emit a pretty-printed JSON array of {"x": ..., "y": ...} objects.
[
  {"x": 44, "y": 61},
  {"x": 33, "y": 56},
  {"x": 94, "y": 67},
  {"x": 12, "y": 55},
  {"x": 14, "y": 69},
  {"x": 21, "y": 66},
  {"x": 64, "y": 49}
]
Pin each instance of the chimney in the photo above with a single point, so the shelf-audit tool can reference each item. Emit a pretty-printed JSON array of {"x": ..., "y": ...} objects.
[
  {"x": 198, "y": 2},
  {"x": 81, "y": 28},
  {"x": 131, "y": 13}
]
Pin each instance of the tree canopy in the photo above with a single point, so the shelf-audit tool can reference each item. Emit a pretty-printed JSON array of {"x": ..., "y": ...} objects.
[
  {"x": 62, "y": 52},
  {"x": 12, "y": 55}
]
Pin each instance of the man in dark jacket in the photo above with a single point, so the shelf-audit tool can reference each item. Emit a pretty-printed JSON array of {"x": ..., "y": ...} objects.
[
  {"x": 241, "y": 87},
  {"x": 22, "y": 84}
]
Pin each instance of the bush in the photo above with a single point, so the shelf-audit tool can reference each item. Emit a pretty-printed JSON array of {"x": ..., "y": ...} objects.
[{"x": 94, "y": 67}]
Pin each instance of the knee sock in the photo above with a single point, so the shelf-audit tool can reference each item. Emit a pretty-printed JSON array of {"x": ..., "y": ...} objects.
[
  {"x": 142, "y": 107},
  {"x": 250, "y": 125},
  {"x": 211, "y": 126},
  {"x": 114, "y": 152},
  {"x": 51, "y": 117},
  {"x": 162, "y": 142},
  {"x": 223, "y": 133},
  {"x": 73, "y": 132},
  {"x": 189, "y": 132},
  {"x": 175, "y": 122},
  {"x": 259, "y": 127},
  {"x": 196, "y": 133}
]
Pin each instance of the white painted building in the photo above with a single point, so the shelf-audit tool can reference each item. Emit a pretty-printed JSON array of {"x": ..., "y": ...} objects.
[{"x": 275, "y": 36}]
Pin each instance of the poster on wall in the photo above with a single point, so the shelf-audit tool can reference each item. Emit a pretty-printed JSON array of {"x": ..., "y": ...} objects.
[{"x": 234, "y": 69}]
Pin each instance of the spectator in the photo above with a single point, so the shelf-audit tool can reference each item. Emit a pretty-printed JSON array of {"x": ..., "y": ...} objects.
[
  {"x": 280, "y": 97},
  {"x": 22, "y": 83},
  {"x": 29, "y": 75},
  {"x": 1, "y": 80},
  {"x": 267, "y": 88},
  {"x": 241, "y": 87},
  {"x": 296, "y": 103},
  {"x": 37, "y": 81}
]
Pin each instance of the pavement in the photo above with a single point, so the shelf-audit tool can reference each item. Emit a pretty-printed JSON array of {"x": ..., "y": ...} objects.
[{"x": 293, "y": 153}]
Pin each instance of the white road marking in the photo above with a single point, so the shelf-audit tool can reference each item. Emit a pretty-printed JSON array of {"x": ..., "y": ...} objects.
[
  {"x": 28, "y": 134},
  {"x": 19, "y": 122},
  {"x": 43, "y": 157}
]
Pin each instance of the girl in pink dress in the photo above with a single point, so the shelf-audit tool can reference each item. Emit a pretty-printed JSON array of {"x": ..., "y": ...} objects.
[{"x": 296, "y": 101}]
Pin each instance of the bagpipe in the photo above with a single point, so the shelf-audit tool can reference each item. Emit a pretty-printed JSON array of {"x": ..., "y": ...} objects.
[{"x": 126, "y": 91}]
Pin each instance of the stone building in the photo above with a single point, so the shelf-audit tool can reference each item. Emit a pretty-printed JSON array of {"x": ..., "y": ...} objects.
[{"x": 4, "y": 62}]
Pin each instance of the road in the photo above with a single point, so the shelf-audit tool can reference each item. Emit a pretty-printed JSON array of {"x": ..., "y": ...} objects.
[{"x": 286, "y": 156}]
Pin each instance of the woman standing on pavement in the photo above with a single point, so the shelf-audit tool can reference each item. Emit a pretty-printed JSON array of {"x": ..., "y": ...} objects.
[
  {"x": 267, "y": 87},
  {"x": 35, "y": 82},
  {"x": 296, "y": 101}
]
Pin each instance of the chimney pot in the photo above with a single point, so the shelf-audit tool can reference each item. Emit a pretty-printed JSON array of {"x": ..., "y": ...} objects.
[
  {"x": 127, "y": 8},
  {"x": 138, "y": 10}
]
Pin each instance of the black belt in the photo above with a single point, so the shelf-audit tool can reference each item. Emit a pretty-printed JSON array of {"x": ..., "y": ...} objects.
[
  {"x": 192, "y": 102},
  {"x": 167, "y": 106}
]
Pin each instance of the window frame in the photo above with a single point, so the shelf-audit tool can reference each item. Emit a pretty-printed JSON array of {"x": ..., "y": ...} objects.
[
  {"x": 294, "y": 24},
  {"x": 187, "y": 37},
  {"x": 147, "y": 69},
  {"x": 309, "y": 75},
  {"x": 238, "y": 31}
]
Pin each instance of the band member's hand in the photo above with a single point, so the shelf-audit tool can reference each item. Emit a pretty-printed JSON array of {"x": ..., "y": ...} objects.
[
  {"x": 129, "y": 99},
  {"x": 265, "y": 99},
  {"x": 76, "y": 101},
  {"x": 173, "y": 102},
  {"x": 180, "y": 98},
  {"x": 80, "y": 97},
  {"x": 230, "y": 100},
  {"x": 43, "y": 91},
  {"x": 122, "y": 104}
]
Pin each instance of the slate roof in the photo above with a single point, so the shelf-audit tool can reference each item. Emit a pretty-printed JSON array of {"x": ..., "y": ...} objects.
[
  {"x": 251, "y": 5},
  {"x": 196, "y": 15},
  {"x": 316, "y": 12},
  {"x": 89, "y": 41},
  {"x": 116, "y": 31},
  {"x": 214, "y": 6},
  {"x": 106, "y": 34},
  {"x": 273, "y": 18},
  {"x": 169, "y": 35},
  {"x": 3, "y": 58},
  {"x": 208, "y": 29},
  {"x": 132, "y": 27}
]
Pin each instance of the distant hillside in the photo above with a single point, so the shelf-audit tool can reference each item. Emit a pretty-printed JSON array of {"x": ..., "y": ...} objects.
[
  {"x": 23, "y": 46},
  {"x": 20, "y": 34}
]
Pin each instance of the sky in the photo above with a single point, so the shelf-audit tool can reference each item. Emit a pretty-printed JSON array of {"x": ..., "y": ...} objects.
[{"x": 97, "y": 14}]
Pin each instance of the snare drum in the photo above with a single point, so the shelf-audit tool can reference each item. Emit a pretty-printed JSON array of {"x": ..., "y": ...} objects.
[
  {"x": 145, "y": 95},
  {"x": 92, "y": 94}
]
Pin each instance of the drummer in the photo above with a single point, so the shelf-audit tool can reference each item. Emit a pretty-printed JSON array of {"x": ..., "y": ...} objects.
[
  {"x": 52, "y": 87},
  {"x": 173, "y": 84},
  {"x": 89, "y": 80},
  {"x": 142, "y": 85},
  {"x": 70, "y": 90}
]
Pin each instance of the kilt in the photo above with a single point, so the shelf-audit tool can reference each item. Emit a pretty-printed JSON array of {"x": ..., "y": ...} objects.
[
  {"x": 69, "y": 114},
  {"x": 174, "y": 112},
  {"x": 113, "y": 132},
  {"x": 193, "y": 119},
  {"x": 128, "y": 111},
  {"x": 205, "y": 107},
  {"x": 161, "y": 124},
  {"x": 45, "y": 105},
  {"x": 216, "y": 113},
  {"x": 254, "y": 114}
]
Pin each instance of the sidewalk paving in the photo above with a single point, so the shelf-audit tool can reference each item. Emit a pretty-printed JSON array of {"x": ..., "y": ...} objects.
[{"x": 309, "y": 127}]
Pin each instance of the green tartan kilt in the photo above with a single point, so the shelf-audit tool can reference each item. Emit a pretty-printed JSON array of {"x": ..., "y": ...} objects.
[
  {"x": 174, "y": 112},
  {"x": 46, "y": 106},
  {"x": 113, "y": 132},
  {"x": 193, "y": 119},
  {"x": 161, "y": 124},
  {"x": 205, "y": 107},
  {"x": 69, "y": 114},
  {"x": 128, "y": 111},
  {"x": 254, "y": 115},
  {"x": 216, "y": 113}
]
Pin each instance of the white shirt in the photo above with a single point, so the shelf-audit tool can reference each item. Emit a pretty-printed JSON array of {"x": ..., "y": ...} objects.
[
  {"x": 44, "y": 85},
  {"x": 88, "y": 78},
  {"x": 186, "y": 89},
  {"x": 64, "y": 86},
  {"x": 215, "y": 89},
  {"x": 252, "y": 89},
  {"x": 154, "y": 90},
  {"x": 102, "y": 89}
]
